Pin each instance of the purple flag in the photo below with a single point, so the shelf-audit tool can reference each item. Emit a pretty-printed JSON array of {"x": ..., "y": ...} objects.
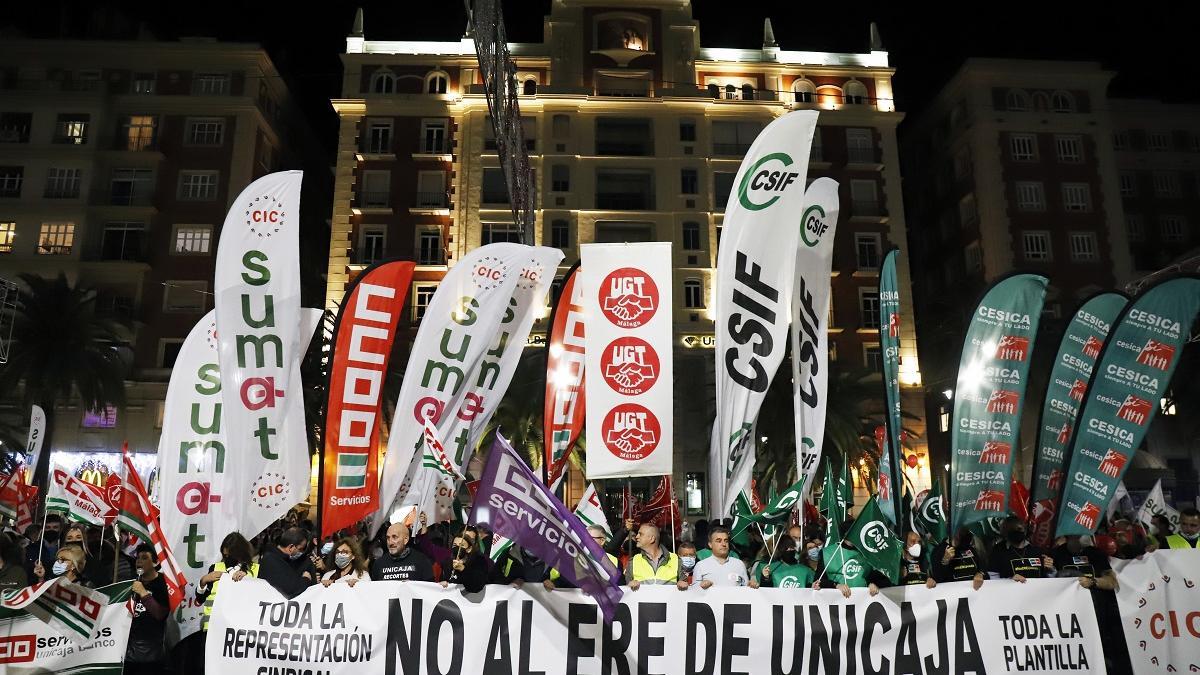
[{"x": 512, "y": 502}]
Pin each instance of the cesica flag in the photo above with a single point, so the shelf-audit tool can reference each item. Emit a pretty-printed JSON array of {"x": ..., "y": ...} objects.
[
  {"x": 992, "y": 374},
  {"x": 756, "y": 269},
  {"x": 463, "y": 357},
  {"x": 259, "y": 336},
  {"x": 1131, "y": 376},
  {"x": 362, "y": 345},
  {"x": 630, "y": 426},
  {"x": 1072, "y": 369},
  {"x": 562, "y": 417}
]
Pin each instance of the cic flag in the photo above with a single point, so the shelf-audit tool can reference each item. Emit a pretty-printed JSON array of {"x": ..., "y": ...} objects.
[
  {"x": 1069, "y": 376},
  {"x": 756, "y": 269},
  {"x": 889, "y": 341},
  {"x": 564, "y": 406},
  {"x": 362, "y": 344},
  {"x": 1131, "y": 375},
  {"x": 988, "y": 397}
]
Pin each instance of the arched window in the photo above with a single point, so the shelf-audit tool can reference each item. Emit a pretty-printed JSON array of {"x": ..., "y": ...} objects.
[
  {"x": 530, "y": 87},
  {"x": 1016, "y": 100},
  {"x": 436, "y": 82},
  {"x": 804, "y": 91},
  {"x": 856, "y": 93},
  {"x": 730, "y": 92},
  {"x": 714, "y": 91},
  {"x": 747, "y": 92},
  {"x": 1062, "y": 102},
  {"x": 693, "y": 294},
  {"x": 691, "y": 236},
  {"x": 383, "y": 82}
]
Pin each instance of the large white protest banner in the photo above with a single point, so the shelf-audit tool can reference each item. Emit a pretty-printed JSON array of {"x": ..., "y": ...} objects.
[
  {"x": 404, "y": 628},
  {"x": 1159, "y": 599},
  {"x": 29, "y": 645},
  {"x": 627, "y": 349}
]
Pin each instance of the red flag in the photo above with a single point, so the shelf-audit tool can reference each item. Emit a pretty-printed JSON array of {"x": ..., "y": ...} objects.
[
  {"x": 139, "y": 516},
  {"x": 630, "y": 508},
  {"x": 564, "y": 409},
  {"x": 756, "y": 502},
  {"x": 1019, "y": 500},
  {"x": 10, "y": 492},
  {"x": 661, "y": 509}
]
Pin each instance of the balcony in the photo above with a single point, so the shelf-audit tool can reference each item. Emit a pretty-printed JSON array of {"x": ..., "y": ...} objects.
[
  {"x": 14, "y": 134},
  {"x": 375, "y": 199},
  {"x": 494, "y": 197},
  {"x": 131, "y": 198},
  {"x": 58, "y": 192},
  {"x": 624, "y": 201}
]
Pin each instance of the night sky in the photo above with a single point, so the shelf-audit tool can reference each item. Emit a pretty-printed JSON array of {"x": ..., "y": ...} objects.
[{"x": 1147, "y": 49}]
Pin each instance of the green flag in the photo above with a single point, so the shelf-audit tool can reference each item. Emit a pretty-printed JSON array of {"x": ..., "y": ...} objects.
[
  {"x": 874, "y": 541},
  {"x": 846, "y": 489},
  {"x": 831, "y": 505},
  {"x": 742, "y": 513},
  {"x": 777, "y": 513},
  {"x": 931, "y": 515}
]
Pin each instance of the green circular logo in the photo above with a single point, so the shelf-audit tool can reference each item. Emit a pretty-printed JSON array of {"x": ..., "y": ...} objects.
[
  {"x": 770, "y": 181},
  {"x": 812, "y": 224}
]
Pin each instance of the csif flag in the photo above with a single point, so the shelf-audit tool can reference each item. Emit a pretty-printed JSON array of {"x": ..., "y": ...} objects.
[
  {"x": 989, "y": 395},
  {"x": 1131, "y": 376},
  {"x": 930, "y": 515},
  {"x": 139, "y": 516},
  {"x": 362, "y": 345},
  {"x": 1081, "y": 344},
  {"x": 756, "y": 270},
  {"x": 777, "y": 513},
  {"x": 874, "y": 541},
  {"x": 889, "y": 341},
  {"x": 564, "y": 408}
]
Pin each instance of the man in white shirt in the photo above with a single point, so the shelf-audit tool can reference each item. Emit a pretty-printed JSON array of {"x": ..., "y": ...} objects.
[{"x": 719, "y": 569}]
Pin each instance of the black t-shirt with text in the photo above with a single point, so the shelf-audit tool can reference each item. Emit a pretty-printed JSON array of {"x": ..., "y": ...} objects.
[
  {"x": 1088, "y": 562},
  {"x": 962, "y": 567},
  {"x": 1007, "y": 562},
  {"x": 912, "y": 572},
  {"x": 144, "y": 626},
  {"x": 410, "y": 565}
]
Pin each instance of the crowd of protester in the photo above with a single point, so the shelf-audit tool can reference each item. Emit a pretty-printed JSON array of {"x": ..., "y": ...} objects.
[{"x": 292, "y": 557}]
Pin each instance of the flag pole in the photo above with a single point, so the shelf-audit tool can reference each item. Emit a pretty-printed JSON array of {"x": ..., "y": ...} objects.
[{"x": 672, "y": 507}]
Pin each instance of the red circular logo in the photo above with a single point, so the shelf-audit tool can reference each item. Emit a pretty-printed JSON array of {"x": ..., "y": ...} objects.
[
  {"x": 629, "y": 365},
  {"x": 631, "y": 431},
  {"x": 628, "y": 297}
]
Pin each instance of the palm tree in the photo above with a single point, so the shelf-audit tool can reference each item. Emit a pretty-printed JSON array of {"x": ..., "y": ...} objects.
[
  {"x": 61, "y": 347},
  {"x": 519, "y": 416}
]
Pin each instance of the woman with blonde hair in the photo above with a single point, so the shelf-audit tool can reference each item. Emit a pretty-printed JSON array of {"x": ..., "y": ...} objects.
[
  {"x": 349, "y": 565},
  {"x": 69, "y": 563}
]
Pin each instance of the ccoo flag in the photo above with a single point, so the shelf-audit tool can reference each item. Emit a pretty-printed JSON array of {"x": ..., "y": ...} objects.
[
  {"x": 989, "y": 395},
  {"x": 1132, "y": 373},
  {"x": 563, "y": 415},
  {"x": 1081, "y": 344},
  {"x": 756, "y": 268}
]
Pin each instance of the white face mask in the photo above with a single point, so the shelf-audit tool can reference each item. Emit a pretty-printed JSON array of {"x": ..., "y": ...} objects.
[
  {"x": 914, "y": 550},
  {"x": 60, "y": 568},
  {"x": 688, "y": 561}
]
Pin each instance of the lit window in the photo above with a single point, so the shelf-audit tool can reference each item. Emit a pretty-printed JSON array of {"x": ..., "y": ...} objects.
[
  {"x": 1083, "y": 246},
  {"x": 8, "y": 233},
  {"x": 56, "y": 239},
  {"x": 139, "y": 132},
  {"x": 71, "y": 129},
  {"x": 693, "y": 294},
  {"x": 1036, "y": 246},
  {"x": 192, "y": 240}
]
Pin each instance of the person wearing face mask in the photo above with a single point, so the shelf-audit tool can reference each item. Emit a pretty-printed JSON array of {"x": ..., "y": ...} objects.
[
  {"x": 69, "y": 563},
  {"x": 787, "y": 570},
  {"x": 687, "y": 562},
  {"x": 40, "y": 553},
  {"x": 913, "y": 568},
  {"x": 144, "y": 651},
  {"x": 1017, "y": 559},
  {"x": 237, "y": 558},
  {"x": 284, "y": 566},
  {"x": 958, "y": 560},
  {"x": 349, "y": 565},
  {"x": 1189, "y": 530},
  {"x": 467, "y": 565}
]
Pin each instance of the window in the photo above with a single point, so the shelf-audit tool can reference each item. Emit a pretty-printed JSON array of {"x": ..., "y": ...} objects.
[
  {"x": 429, "y": 247},
  {"x": 376, "y": 190},
  {"x": 1030, "y": 196},
  {"x": 71, "y": 129},
  {"x": 1135, "y": 225},
  {"x": 1128, "y": 181},
  {"x": 494, "y": 189},
  {"x": 873, "y": 358},
  {"x": 625, "y": 189},
  {"x": 687, "y": 131},
  {"x": 693, "y": 294},
  {"x": 1172, "y": 229},
  {"x": 383, "y": 82},
  {"x": 210, "y": 84},
  {"x": 689, "y": 181},
  {"x": 694, "y": 494},
  {"x": 691, "y": 236},
  {"x": 621, "y": 232},
  {"x": 560, "y": 178},
  {"x": 1070, "y": 149},
  {"x": 968, "y": 212},
  {"x": 560, "y": 127},
  {"x": 143, "y": 83},
  {"x": 436, "y": 82},
  {"x": 63, "y": 183},
  {"x": 123, "y": 241},
  {"x": 529, "y": 88},
  {"x": 500, "y": 232},
  {"x": 130, "y": 187},
  {"x": 56, "y": 239},
  {"x": 722, "y": 185},
  {"x": 207, "y": 131},
  {"x": 422, "y": 296},
  {"x": 1016, "y": 100},
  {"x": 170, "y": 353},
  {"x": 1120, "y": 140},
  {"x": 1036, "y": 246},
  {"x": 1158, "y": 141},
  {"x": 856, "y": 93},
  {"x": 138, "y": 132},
  {"x": 372, "y": 245},
  {"x": 8, "y": 232},
  {"x": 816, "y": 152},
  {"x": 867, "y": 247},
  {"x": 198, "y": 186},
  {"x": 433, "y": 137},
  {"x": 431, "y": 190},
  {"x": 804, "y": 91},
  {"x": 864, "y": 198},
  {"x": 1022, "y": 147},
  {"x": 868, "y": 307},
  {"x": 1077, "y": 197},
  {"x": 192, "y": 240},
  {"x": 621, "y": 136},
  {"x": 730, "y": 92},
  {"x": 973, "y": 256},
  {"x": 1062, "y": 102},
  {"x": 185, "y": 296},
  {"x": 1083, "y": 246},
  {"x": 734, "y": 138},
  {"x": 14, "y": 127},
  {"x": 560, "y": 234},
  {"x": 11, "y": 178},
  {"x": 860, "y": 146},
  {"x": 379, "y": 137},
  {"x": 1166, "y": 184}
]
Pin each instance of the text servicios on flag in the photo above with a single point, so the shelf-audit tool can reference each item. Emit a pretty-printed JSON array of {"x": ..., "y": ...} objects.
[
  {"x": 756, "y": 268},
  {"x": 989, "y": 395}
]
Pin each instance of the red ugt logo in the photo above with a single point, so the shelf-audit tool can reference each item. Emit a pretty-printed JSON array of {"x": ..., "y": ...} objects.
[
  {"x": 628, "y": 297},
  {"x": 1078, "y": 389},
  {"x": 1091, "y": 347},
  {"x": 1134, "y": 409},
  {"x": 990, "y": 500},
  {"x": 1112, "y": 463},
  {"x": 631, "y": 431},
  {"x": 995, "y": 452},
  {"x": 1003, "y": 401},
  {"x": 1156, "y": 355},
  {"x": 1088, "y": 515},
  {"x": 629, "y": 365},
  {"x": 1012, "y": 348}
]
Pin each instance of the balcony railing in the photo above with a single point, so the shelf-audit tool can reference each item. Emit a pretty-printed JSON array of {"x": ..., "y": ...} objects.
[
  {"x": 9, "y": 190},
  {"x": 434, "y": 148},
  {"x": 375, "y": 199},
  {"x": 432, "y": 200},
  {"x": 136, "y": 198},
  {"x": 14, "y": 134},
  {"x": 730, "y": 148},
  {"x": 624, "y": 201}
]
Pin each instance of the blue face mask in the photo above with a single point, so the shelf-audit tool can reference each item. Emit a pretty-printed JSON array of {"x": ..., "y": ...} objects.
[
  {"x": 688, "y": 561},
  {"x": 326, "y": 548},
  {"x": 814, "y": 553}
]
